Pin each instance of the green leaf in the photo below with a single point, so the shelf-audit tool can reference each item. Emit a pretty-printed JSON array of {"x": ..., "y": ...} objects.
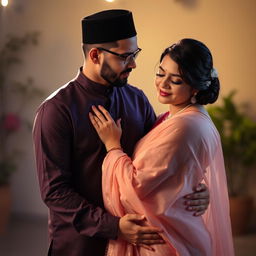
[{"x": 238, "y": 136}]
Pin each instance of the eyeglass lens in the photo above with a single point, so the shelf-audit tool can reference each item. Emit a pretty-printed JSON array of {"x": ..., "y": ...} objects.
[{"x": 132, "y": 56}]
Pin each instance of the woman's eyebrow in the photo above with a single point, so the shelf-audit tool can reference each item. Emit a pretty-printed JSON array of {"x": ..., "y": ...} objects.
[{"x": 170, "y": 73}]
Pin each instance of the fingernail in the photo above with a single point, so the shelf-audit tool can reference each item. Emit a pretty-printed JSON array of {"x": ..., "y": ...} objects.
[
  {"x": 187, "y": 196},
  {"x": 190, "y": 208}
]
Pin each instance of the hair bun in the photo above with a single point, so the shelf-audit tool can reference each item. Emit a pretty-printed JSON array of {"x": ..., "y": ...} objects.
[{"x": 210, "y": 95}]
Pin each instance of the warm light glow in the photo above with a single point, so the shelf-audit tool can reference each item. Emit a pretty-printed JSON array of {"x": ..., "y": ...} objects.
[
  {"x": 110, "y": 1},
  {"x": 4, "y": 2}
]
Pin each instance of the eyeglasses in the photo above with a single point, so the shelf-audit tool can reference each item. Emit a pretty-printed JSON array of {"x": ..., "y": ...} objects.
[{"x": 126, "y": 57}]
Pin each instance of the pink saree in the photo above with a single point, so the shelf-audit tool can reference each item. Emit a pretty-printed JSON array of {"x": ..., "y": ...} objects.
[{"x": 167, "y": 164}]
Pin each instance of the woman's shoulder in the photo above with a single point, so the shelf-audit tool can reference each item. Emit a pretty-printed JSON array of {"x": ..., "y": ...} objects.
[
  {"x": 163, "y": 115},
  {"x": 160, "y": 118}
]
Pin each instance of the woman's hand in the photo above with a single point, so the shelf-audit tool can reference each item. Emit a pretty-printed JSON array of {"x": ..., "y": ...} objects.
[{"x": 108, "y": 131}]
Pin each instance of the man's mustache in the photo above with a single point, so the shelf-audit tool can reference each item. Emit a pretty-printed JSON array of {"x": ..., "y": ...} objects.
[{"x": 128, "y": 70}]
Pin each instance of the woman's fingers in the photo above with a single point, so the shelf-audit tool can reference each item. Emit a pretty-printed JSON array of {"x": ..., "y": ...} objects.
[
  {"x": 99, "y": 114},
  {"x": 102, "y": 116},
  {"x": 106, "y": 113},
  {"x": 95, "y": 121}
]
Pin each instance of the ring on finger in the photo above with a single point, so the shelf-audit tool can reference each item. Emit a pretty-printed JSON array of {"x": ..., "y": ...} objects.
[{"x": 97, "y": 120}]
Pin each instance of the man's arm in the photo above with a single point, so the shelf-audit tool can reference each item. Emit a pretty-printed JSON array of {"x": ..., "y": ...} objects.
[
  {"x": 53, "y": 137},
  {"x": 198, "y": 201}
]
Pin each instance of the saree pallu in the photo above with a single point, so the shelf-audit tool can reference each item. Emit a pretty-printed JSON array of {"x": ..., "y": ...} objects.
[{"x": 167, "y": 164}]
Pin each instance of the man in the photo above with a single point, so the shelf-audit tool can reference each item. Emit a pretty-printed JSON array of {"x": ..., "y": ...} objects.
[{"x": 69, "y": 153}]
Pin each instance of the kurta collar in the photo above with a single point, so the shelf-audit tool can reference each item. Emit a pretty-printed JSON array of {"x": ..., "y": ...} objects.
[{"x": 92, "y": 86}]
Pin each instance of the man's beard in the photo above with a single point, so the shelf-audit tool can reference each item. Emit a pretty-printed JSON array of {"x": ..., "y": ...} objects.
[{"x": 111, "y": 77}]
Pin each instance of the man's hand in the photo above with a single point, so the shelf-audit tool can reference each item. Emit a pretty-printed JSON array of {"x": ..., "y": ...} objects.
[
  {"x": 132, "y": 230},
  {"x": 198, "y": 201}
]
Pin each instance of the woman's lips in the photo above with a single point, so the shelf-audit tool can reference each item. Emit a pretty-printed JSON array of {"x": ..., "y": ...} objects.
[{"x": 164, "y": 94}]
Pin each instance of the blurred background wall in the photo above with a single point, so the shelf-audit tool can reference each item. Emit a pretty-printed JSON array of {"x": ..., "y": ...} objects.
[{"x": 227, "y": 27}]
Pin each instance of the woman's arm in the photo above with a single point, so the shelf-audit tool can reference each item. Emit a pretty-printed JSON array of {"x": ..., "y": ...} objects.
[{"x": 110, "y": 134}]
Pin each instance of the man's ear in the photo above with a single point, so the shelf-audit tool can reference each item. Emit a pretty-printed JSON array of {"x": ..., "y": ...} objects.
[{"x": 94, "y": 55}]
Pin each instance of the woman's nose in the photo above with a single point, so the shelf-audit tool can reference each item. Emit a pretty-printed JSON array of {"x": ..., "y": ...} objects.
[{"x": 165, "y": 84}]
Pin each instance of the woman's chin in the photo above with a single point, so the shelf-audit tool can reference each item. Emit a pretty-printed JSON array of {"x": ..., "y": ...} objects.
[{"x": 163, "y": 100}]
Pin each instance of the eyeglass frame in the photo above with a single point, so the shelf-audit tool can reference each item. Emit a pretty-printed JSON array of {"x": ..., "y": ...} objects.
[{"x": 123, "y": 56}]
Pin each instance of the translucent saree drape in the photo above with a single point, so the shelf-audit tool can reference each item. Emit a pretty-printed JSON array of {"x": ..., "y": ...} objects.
[{"x": 167, "y": 164}]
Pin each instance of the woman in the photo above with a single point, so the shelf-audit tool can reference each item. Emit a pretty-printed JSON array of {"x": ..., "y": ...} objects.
[{"x": 182, "y": 150}]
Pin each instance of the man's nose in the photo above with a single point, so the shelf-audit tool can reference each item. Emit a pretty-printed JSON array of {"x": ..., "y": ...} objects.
[{"x": 132, "y": 63}]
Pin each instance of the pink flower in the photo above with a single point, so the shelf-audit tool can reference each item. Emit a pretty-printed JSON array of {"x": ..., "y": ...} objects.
[{"x": 11, "y": 122}]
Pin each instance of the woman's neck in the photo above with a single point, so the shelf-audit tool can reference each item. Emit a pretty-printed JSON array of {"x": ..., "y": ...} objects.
[{"x": 174, "y": 109}]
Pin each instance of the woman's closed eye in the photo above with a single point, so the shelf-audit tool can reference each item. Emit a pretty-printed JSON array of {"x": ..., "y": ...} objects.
[
  {"x": 179, "y": 81},
  {"x": 160, "y": 75}
]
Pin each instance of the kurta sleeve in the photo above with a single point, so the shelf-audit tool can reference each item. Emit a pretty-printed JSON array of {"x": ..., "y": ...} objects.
[{"x": 53, "y": 140}]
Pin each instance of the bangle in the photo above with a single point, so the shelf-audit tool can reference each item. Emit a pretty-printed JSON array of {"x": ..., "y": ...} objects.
[{"x": 116, "y": 148}]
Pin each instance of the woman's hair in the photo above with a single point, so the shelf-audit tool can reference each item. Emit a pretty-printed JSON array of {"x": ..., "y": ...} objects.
[{"x": 196, "y": 68}]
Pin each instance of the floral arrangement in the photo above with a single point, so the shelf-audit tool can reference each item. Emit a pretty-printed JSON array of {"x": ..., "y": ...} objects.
[{"x": 11, "y": 121}]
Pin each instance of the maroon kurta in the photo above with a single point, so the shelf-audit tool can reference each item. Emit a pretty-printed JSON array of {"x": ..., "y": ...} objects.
[{"x": 69, "y": 157}]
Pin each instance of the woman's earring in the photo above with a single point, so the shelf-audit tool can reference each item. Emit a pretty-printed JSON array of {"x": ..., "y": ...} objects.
[{"x": 193, "y": 99}]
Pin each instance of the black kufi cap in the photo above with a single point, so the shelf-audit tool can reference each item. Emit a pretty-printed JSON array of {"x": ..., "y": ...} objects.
[{"x": 108, "y": 26}]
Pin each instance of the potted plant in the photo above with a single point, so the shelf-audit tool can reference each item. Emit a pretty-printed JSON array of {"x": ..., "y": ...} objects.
[
  {"x": 11, "y": 115},
  {"x": 238, "y": 136}
]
